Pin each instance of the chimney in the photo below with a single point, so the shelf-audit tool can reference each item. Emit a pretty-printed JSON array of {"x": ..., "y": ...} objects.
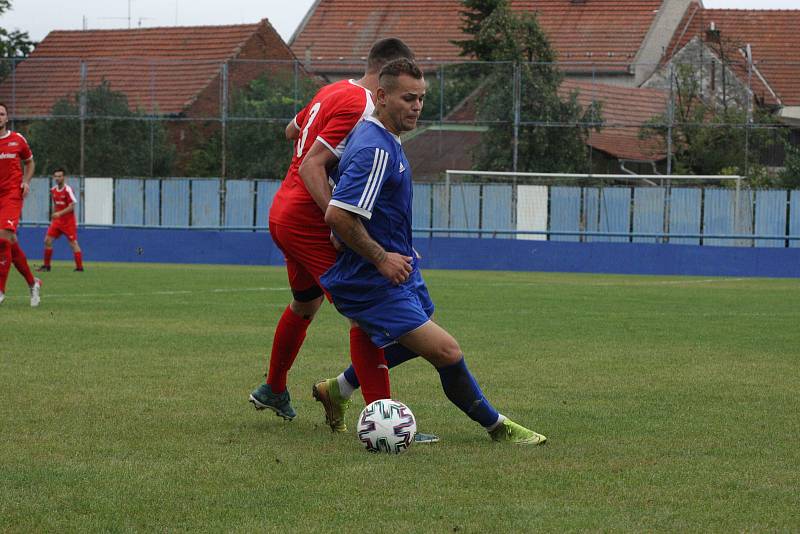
[{"x": 712, "y": 33}]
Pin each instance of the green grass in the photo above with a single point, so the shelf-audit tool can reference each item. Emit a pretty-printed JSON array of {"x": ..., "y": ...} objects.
[{"x": 670, "y": 404}]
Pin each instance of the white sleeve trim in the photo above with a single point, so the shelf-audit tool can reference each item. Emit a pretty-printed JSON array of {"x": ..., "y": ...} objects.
[
  {"x": 336, "y": 151},
  {"x": 294, "y": 121},
  {"x": 352, "y": 209},
  {"x": 71, "y": 195}
]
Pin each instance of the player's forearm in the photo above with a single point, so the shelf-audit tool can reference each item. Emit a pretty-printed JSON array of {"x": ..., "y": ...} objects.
[
  {"x": 351, "y": 231},
  {"x": 315, "y": 178},
  {"x": 27, "y": 172}
]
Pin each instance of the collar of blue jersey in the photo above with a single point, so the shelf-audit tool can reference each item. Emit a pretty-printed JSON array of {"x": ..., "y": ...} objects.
[{"x": 373, "y": 118}]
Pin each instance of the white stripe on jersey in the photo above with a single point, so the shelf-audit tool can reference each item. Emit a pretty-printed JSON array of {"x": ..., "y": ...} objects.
[
  {"x": 71, "y": 194},
  {"x": 375, "y": 177},
  {"x": 371, "y": 174},
  {"x": 374, "y": 193}
]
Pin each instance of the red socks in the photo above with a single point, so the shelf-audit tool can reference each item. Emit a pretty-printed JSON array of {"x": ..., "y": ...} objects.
[
  {"x": 370, "y": 366},
  {"x": 48, "y": 255},
  {"x": 289, "y": 336},
  {"x": 21, "y": 263},
  {"x": 5, "y": 262}
]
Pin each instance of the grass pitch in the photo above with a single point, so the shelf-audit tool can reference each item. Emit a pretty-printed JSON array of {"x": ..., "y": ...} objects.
[{"x": 669, "y": 404}]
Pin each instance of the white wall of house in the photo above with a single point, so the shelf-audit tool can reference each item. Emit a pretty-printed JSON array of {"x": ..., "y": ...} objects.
[{"x": 658, "y": 37}]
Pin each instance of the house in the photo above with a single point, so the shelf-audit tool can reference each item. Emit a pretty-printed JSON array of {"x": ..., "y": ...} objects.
[
  {"x": 618, "y": 51},
  {"x": 184, "y": 72},
  {"x": 760, "y": 48},
  {"x": 625, "y": 110},
  {"x": 613, "y": 41}
]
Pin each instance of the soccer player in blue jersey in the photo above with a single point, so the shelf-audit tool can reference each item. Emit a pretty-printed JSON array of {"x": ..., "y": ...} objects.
[{"x": 376, "y": 281}]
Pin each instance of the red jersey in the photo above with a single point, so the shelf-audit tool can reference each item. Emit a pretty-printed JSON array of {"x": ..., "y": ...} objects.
[
  {"x": 14, "y": 150},
  {"x": 62, "y": 198},
  {"x": 330, "y": 117}
]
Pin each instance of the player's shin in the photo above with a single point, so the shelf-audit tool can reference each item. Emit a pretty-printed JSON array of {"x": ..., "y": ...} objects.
[
  {"x": 21, "y": 263},
  {"x": 5, "y": 262},
  {"x": 370, "y": 366},
  {"x": 463, "y": 390},
  {"x": 289, "y": 336},
  {"x": 395, "y": 355}
]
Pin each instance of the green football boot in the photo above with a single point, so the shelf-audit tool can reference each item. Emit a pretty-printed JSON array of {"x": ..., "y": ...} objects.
[
  {"x": 510, "y": 432},
  {"x": 327, "y": 392},
  {"x": 280, "y": 403}
]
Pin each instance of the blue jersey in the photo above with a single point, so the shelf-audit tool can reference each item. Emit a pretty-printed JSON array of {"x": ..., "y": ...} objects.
[{"x": 373, "y": 180}]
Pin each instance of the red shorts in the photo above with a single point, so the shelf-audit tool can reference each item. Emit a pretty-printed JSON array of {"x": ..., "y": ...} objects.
[
  {"x": 308, "y": 254},
  {"x": 10, "y": 210},
  {"x": 66, "y": 228}
]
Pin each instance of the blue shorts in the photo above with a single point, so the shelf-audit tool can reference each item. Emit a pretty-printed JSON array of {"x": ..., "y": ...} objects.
[{"x": 396, "y": 311}]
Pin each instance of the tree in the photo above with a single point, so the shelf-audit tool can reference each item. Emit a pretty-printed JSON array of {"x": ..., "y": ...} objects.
[
  {"x": 13, "y": 44},
  {"x": 790, "y": 175},
  {"x": 255, "y": 143},
  {"x": 552, "y": 131},
  {"x": 118, "y": 141},
  {"x": 472, "y": 18},
  {"x": 711, "y": 130}
]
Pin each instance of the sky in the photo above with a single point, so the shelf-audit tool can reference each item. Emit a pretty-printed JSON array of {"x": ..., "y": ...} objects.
[{"x": 38, "y": 17}]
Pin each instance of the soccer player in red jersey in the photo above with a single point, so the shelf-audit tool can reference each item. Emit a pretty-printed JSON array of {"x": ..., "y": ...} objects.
[
  {"x": 296, "y": 219},
  {"x": 16, "y": 171},
  {"x": 62, "y": 221}
]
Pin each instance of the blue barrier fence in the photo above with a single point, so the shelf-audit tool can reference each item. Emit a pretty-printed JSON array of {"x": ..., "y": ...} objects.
[
  {"x": 256, "y": 248},
  {"x": 677, "y": 215}
]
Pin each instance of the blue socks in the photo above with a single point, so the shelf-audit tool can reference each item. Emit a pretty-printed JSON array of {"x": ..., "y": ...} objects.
[
  {"x": 461, "y": 388},
  {"x": 395, "y": 355}
]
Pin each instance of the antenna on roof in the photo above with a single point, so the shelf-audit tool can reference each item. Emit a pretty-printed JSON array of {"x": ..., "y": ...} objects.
[{"x": 128, "y": 18}]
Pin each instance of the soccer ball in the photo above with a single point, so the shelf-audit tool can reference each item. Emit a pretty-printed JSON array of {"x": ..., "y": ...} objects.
[{"x": 387, "y": 426}]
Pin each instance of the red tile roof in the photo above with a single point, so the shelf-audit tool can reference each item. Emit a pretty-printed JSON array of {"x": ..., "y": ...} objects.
[
  {"x": 774, "y": 38},
  {"x": 624, "y": 110},
  {"x": 162, "y": 70},
  {"x": 338, "y": 33}
]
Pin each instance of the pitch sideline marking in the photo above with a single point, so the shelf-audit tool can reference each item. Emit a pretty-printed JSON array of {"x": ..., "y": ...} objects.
[
  {"x": 140, "y": 294},
  {"x": 627, "y": 284}
]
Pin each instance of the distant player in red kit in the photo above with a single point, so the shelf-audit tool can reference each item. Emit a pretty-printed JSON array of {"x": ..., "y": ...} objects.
[
  {"x": 16, "y": 171},
  {"x": 63, "y": 221}
]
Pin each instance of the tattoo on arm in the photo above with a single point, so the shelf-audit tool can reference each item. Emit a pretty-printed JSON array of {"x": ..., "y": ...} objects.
[{"x": 356, "y": 237}]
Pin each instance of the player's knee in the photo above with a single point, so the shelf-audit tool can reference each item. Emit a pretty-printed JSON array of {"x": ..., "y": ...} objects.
[
  {"x": 446, "y": 352},
  {"x": 308, "y": 295},
  {"x": 451, "y": 352},
  {"x": 307, "y": 310}
]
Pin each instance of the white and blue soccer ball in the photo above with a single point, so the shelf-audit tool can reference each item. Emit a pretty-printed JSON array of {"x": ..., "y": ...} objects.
[{"x": 387, "y": 426}]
